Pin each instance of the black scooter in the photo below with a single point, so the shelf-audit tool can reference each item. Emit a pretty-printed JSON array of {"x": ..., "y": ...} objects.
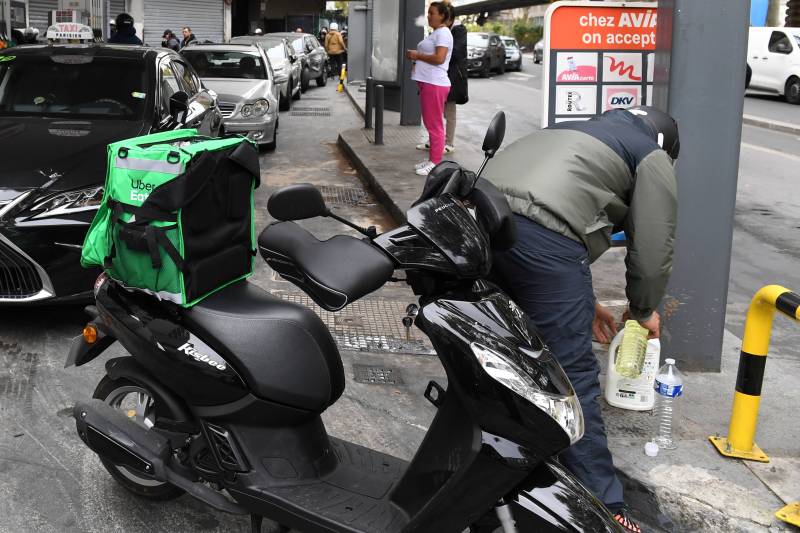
[{"x": 223, "y": 400}]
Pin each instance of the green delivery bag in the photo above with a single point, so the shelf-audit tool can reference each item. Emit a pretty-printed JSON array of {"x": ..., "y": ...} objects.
[{"x": 177, "y": 216}]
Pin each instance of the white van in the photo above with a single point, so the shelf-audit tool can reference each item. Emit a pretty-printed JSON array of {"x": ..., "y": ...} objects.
[{"x": 773, "y": 61}]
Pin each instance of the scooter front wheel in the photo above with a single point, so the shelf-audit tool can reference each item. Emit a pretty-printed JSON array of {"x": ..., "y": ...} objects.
[{"x": 137, "y": 403}]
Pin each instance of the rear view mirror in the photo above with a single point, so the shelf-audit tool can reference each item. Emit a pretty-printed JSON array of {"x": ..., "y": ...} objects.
[
  {"x": 495, "y": 134},
  {"x": 179, "y": 106},
  {"x": 297, "y": 202}
]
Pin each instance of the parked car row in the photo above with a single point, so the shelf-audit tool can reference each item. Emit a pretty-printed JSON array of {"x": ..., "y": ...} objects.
[
  {"x": 488, "y": 52},
  {"x": 69, "y": 102}
]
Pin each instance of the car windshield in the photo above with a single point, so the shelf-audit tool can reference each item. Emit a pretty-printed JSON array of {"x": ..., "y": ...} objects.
[
  {"x": 298, "y": 45},
  {"x": 275, "y": 51},
  {"x": 477, "y": 39},
  {"x": 226, "y": 64},
  {"x": 73, "y": 85},
  {"x": 510, "y": 42}
]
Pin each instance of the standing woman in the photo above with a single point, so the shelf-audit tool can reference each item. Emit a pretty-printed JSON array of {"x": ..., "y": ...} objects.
[{"x": 431, "y": 60}]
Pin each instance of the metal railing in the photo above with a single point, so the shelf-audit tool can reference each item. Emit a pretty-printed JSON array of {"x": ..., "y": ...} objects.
[{"x": 740, "y": 442}]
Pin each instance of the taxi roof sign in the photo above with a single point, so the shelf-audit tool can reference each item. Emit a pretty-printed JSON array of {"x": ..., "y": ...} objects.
[{"x": 70, "y": 31}]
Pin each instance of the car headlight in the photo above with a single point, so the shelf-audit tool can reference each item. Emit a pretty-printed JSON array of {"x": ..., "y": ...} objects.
[
  {"x": 69, "y": 202},
  {"x": 256, "y": 109},
  {"x": 565, "y": 410},
  {"x": 478, "y": 52}
]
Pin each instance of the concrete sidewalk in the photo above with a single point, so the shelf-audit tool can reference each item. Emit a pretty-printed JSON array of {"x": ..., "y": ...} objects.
[{"x": 691, "y": 488}]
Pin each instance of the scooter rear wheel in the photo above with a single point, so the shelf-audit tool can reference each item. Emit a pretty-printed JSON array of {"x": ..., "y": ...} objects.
[{"x": 137, "y": 403}]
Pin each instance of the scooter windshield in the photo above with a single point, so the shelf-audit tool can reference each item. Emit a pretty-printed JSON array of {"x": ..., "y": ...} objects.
[{"x": 449, "y": 226}]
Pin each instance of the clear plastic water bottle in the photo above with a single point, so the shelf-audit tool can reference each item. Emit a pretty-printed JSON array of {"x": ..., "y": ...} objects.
[{"x": 669, "y": 387}]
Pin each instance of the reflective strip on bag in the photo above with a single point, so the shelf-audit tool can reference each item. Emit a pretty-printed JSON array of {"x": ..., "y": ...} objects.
[{"x": 149, "y": 165}]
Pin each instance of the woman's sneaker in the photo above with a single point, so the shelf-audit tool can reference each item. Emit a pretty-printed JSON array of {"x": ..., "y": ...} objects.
[
  {"x": 424, "y": 146},
  {"x": 425, "y": 170},
  {"x": 623, "y": 518},
  {"x": 449, "y": 148},
  {"x": 421, "y": 164}
]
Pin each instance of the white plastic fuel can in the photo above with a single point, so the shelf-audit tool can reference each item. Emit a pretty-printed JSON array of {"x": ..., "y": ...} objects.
[{"x": 635, "y": 394}]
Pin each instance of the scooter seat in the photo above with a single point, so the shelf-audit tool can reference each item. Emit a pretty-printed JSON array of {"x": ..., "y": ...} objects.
[
  {"x": 333, "y": 273},
  {"x": 283, "y": 350}
]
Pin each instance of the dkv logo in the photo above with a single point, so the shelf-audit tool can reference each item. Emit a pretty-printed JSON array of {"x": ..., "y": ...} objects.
[{"x": 621, "y": 98}]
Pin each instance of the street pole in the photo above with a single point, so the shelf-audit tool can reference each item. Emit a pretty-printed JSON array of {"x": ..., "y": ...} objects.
[
  {"x": 410, "y": 112},
  {"x": 699, "y": 79}
]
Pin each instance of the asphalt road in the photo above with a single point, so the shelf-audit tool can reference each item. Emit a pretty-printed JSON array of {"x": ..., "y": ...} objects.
[{"x": 766, "y": 240}]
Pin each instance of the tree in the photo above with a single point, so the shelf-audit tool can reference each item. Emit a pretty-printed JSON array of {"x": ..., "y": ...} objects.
[{"x": 344, "y": 7}]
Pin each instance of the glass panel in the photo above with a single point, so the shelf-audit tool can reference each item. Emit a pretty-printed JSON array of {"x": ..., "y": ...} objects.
[
  {"x": 385, "y": 43},
  {"x": 226, "y": 64}
]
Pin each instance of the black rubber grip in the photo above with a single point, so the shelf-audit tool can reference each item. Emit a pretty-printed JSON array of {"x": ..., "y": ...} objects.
[
  {"x": 751, "y": 373},
  {"x": 787, "y": 303}
]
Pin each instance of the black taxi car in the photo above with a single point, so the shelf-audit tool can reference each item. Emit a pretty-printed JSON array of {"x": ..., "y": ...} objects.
[{"x": 60, "y": 106}]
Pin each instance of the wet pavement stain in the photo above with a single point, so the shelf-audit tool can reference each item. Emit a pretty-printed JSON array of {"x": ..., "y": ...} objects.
[{"x": 17, "y": 375}]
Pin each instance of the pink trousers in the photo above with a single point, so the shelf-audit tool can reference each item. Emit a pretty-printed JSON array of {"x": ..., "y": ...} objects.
[{"x": 432, "y": 99}]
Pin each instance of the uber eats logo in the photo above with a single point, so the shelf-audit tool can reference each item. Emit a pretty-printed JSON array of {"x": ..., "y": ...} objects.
[{"x": 140, "y": 190}]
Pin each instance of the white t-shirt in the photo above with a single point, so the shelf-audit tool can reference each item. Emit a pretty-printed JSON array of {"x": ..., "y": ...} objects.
[{"x": 434, "y": 74}]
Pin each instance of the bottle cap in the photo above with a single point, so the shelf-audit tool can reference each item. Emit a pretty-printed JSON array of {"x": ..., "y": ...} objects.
[
  {"x": 650, "y": 449},
  {"x": 669, "y": 361}
]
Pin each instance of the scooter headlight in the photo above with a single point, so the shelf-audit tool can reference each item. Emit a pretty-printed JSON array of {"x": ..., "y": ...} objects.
[{"x": 565, "y": 410}]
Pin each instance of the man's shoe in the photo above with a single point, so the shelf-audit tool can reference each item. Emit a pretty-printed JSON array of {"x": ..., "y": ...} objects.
[
  {"x": 424, "y": 146},
  {"x": 624, "y": 519},
  {"x": 424, "y": 171},
  {"x": 449, "y": 148}
]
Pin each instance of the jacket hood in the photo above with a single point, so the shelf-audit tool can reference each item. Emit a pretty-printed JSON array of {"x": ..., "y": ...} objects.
[{"x": 34, "y": 150}]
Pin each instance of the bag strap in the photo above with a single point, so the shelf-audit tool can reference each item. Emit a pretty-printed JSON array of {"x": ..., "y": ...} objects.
[{"x": 143, "y": 214}]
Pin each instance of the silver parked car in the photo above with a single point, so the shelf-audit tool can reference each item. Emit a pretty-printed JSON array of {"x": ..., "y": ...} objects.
[
  {"x": 538, "y": 51},
  {"x": 513, "y": 53},
  {"x": 286, "y": 65},
  {"x": 243, "y": 79}
]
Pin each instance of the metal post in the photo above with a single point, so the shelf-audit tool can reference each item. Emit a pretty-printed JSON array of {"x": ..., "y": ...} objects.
[
  {"x": 379, "y": 114},
  {"x": 411, "y": 34},
  {"x": 368, "y": 105},
  {"x": 699, "y": 44}
]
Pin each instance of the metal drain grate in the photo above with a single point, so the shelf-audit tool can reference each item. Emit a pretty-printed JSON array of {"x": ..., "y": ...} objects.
[
  {"x": 377, "y": 375},
  {"x": 320, "y": 98},
  {"x": 369, "y": 324},
  {"x": 341, "y": 196},
  {"x": 311, "y": 111}
]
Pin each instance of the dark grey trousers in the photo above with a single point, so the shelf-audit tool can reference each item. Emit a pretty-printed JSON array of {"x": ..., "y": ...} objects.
[{"x": 548, "y": 275}]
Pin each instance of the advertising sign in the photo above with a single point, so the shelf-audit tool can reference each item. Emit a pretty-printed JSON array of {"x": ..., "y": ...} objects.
[{"x": 597, "y": 56}]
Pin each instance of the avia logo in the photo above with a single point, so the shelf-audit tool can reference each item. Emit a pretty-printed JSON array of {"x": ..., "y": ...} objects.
[
  {"x": 188, "y": 349},
  {"x": 622, "y": 69}
]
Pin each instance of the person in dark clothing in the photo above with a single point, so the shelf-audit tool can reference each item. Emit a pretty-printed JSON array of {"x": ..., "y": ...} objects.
[
  {"x": 188, "y": 37},
  {"x": 126, "y": 32},
  {"x": 569, "y": 186},
  {"x": 170, "y": 41}
]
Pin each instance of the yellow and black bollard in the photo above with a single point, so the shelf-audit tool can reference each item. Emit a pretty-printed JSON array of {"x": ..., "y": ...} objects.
[
  {"x": 342, "y": 79},
  {"x": 755, "y": 344}
]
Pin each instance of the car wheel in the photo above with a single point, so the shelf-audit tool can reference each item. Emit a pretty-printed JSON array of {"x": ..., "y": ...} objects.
[
  {"x": 502, "y": 68},
  {"x": 296, "y": 96},
  {"x": 792, "y": 91},
  {"x": 286, "y": 101},
  {"x": 519, "y": 65},
  {"x": 129, "y": 397},
  {"x": 322, "y": 81},
  {"x": 536, "y": 59},
  {"x": 304, "y": 81},
  {"x": 486, "y": 70},
  {"x": 747, "y": 76}
]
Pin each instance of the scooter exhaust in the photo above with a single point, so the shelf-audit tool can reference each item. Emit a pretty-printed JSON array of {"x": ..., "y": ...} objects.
[{"x": 113, "y": 436}]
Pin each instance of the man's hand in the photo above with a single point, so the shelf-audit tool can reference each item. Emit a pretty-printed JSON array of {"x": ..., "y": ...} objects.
[
  {"x": 653, "y": 324},
  {"x": 604, "y": 327}
]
